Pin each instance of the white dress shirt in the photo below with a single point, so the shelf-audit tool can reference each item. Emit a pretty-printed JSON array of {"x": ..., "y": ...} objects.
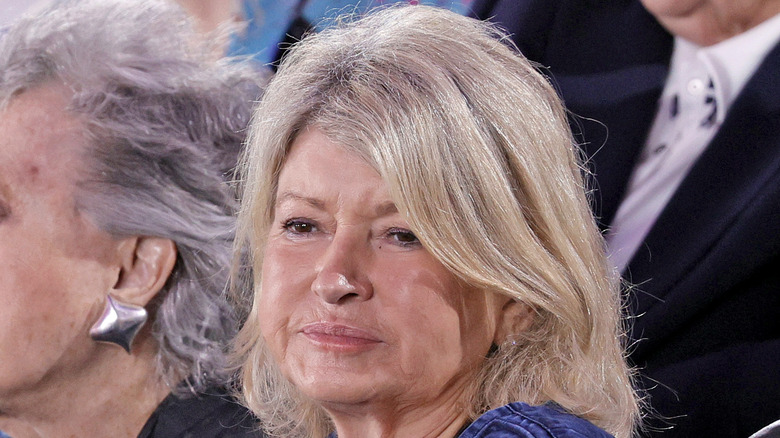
[{"x": 683, "y": 127}]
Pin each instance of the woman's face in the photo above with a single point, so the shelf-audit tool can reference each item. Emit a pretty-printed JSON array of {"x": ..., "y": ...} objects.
[
  {"x": 354, "y": 309},
  {"x": 54, "y": 273}
]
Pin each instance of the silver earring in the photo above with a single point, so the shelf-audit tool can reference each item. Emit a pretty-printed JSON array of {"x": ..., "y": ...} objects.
[{"x": 119, "y": 323}]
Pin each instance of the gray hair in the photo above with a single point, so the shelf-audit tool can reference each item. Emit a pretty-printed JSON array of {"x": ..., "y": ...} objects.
[
  {"x": 165, "y": 121},
  {"x": 473, "y": 145}
]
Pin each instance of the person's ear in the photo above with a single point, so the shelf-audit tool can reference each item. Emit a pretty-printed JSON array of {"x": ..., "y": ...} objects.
[
  {"x": 514, "y": 318},
  {"x": 145, "y": 265}
]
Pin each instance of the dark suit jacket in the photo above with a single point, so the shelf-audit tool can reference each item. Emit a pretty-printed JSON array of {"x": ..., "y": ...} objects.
[{"x": 707, "y": 277}]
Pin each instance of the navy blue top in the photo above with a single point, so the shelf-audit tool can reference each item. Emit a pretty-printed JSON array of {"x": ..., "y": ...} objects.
[{"x": 521, "y": 420}]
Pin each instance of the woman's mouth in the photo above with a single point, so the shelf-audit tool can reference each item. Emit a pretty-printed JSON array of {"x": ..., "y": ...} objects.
[{"x": 332, "y": 336}]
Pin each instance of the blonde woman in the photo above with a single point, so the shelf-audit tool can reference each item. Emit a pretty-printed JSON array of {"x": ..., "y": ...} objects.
[{"x": 425, "y": 260}]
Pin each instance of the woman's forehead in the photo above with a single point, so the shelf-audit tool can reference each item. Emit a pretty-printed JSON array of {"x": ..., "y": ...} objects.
[{"x": 41, "y": 145}]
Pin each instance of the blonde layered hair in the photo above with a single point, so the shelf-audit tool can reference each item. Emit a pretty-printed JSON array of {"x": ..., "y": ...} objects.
[{"x": 474, "y": 147}]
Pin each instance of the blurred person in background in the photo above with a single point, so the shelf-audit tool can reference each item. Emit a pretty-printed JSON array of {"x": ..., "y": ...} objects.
[
  {"x": 273, "y": 25},
  {"x": 117, "y": 131}
]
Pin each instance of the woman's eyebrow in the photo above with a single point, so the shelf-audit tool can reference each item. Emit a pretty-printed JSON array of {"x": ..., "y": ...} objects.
[
  {"x": 385, "y": 209},
  {"x": 288, "y": 196}
]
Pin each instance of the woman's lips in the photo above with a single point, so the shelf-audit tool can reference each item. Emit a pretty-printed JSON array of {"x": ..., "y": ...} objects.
[{"x": 339, "y": 337}]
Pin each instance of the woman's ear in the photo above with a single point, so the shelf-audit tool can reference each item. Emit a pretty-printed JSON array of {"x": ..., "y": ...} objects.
[
  {"x": 514, "y": 318},
  {"x": 146, "y": 264}
]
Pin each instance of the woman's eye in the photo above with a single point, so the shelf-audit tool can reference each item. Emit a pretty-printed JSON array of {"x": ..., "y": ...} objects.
[
  {"x": 403, "y": 237},
  {"x": 298, "y": 226}
]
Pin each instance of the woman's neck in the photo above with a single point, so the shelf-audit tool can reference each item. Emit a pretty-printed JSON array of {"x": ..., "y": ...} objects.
[
  {"x": 113, "y": 396},
  {"x": 441, "y": 418}
]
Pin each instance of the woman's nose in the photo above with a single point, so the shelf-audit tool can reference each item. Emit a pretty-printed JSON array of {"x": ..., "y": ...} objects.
[{"x": 340, "y": 273}]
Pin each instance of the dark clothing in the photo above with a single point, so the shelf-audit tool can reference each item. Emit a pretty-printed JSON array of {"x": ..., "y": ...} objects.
[
  {"x": 521, "y": 420},
  {"x": 212, "y": 415},
  {"x": 707, "y": 275}
]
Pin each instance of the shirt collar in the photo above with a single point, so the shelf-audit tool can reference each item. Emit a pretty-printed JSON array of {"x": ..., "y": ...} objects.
[
  {"x": 733, "y": 61},
  {"x": 729, "y": 63}
]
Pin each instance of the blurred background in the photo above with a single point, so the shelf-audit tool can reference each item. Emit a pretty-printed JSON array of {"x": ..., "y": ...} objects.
[{"x": 258, "y": 28}]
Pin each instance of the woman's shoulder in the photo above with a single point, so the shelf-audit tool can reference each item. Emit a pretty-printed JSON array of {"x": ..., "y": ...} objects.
[{"x": 522, "y": 420}]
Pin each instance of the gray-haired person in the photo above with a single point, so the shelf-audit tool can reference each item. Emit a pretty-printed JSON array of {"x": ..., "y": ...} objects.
[{"x": 118, "y": 128}]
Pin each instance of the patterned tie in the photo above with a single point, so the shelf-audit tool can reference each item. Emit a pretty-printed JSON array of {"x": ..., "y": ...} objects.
[
  {"x": 709, "y": 101},
  {"x": 674, "y": 108}
]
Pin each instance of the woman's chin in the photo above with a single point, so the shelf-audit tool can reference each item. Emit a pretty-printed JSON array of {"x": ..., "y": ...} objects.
[
  {"x": 333, "y": 396},
  {"x": 336, "y": 386}
]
